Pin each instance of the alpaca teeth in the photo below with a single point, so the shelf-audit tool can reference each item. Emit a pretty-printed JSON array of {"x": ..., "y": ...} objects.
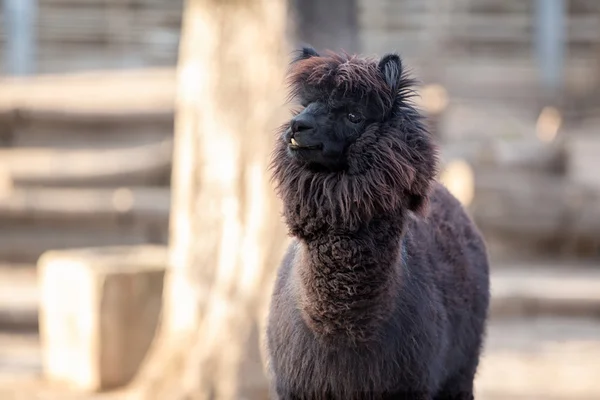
[{"x": 293, "y": 141}]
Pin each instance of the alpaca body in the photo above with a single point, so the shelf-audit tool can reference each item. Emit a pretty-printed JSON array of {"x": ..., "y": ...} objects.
[
  {"x": 433, "y": 274},
  {"x": 384, "y": 292}
]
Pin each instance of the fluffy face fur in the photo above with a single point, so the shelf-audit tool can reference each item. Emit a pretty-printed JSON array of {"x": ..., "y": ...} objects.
[{"x": 357, "y": 149}]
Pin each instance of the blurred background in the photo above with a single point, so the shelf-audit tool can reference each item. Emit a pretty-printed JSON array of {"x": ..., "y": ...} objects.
[{"x": 511, "y": 89}]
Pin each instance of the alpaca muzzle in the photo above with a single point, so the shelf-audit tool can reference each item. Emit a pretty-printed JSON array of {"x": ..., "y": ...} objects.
[
  {"x": 304, "y": 141},
  {"x": 303, "y": 134}
]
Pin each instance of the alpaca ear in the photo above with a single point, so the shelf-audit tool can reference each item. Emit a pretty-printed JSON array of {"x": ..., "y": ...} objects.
[
  {"x": 391, "y": 68},
  {"x": 305, "y": 53}
]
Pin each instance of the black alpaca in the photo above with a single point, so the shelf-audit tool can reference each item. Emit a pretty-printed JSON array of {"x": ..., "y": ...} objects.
[{"x": 384, "y": 292}]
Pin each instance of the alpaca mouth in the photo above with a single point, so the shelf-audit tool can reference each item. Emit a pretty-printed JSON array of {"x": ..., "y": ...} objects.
[{"x": 295, "y": 145}]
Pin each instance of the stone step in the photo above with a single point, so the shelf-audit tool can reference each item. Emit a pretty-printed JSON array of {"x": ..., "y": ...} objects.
[
  {"x": 566, "y": 289},
  {"x": 26, "y": 245},
  {"x": 33, "y": 220},
  {"x": 100, "y": 93},
  {"x": 86, "y": 108},
  {"x": 49, "y": 128},
  {"x": 121, "y": 164},
  {"x": 85, "y": 205},
  {"x": 19, "y": 298},
  {"x": 19, "y": 355}
]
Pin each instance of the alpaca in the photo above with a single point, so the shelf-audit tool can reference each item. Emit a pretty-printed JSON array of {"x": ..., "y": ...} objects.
[{"x": 384, "y": 291}]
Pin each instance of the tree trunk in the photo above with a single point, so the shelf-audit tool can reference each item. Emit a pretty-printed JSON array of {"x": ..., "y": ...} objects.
[{"x": 226, "y": 232}]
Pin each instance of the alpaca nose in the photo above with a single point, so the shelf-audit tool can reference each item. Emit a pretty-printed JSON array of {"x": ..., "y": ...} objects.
[{"x": 301, "y": 123}]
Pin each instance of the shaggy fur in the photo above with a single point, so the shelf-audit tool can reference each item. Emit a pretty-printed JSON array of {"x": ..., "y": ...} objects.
[{"x": 384, "y": 292}]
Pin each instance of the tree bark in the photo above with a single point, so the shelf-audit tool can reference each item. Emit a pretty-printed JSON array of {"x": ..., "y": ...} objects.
[{"x": 227, "y": 236}]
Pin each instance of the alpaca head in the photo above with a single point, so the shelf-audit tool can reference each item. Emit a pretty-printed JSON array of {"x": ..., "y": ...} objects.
[{"x": 356, "y": 147}]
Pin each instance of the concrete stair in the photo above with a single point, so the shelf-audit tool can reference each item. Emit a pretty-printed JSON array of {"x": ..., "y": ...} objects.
[
  {"x": 86, "y": 160},
  {"x": 37, "y": 219}
]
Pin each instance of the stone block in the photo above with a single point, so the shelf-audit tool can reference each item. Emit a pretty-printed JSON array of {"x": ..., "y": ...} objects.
[{"x": 99, "y": 309}]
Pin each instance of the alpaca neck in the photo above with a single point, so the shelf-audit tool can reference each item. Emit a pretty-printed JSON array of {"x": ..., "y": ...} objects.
[{"x": 348, "y": 280}]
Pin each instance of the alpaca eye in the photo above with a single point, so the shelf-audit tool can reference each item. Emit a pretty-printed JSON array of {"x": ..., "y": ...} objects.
[{"x": 355, "y": 118}]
